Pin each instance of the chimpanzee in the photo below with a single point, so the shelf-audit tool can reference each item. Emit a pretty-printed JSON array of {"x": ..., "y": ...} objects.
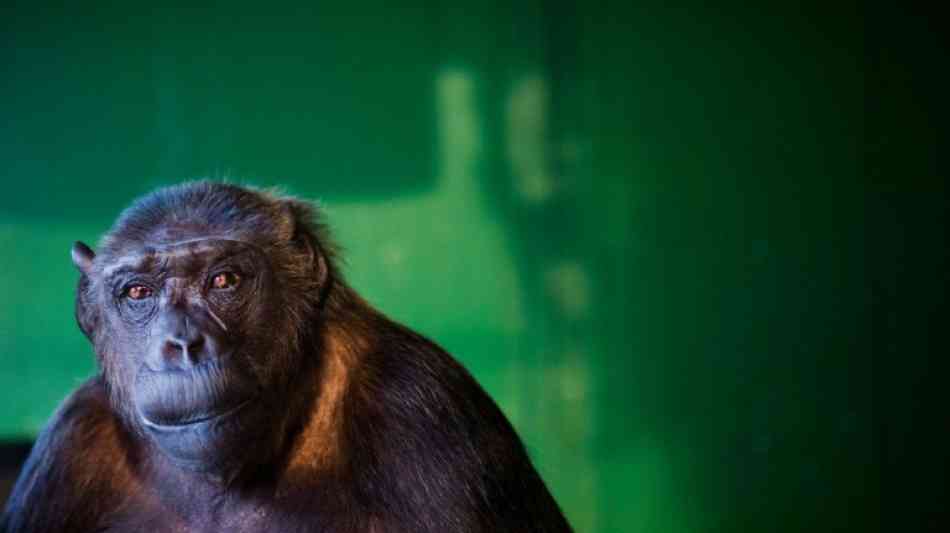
[{"x": 244, "y": 386}]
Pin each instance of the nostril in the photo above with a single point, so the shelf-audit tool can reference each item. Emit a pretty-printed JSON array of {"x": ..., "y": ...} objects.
[
  {"x": 196, "y": 345},
  {"x": 173, "y": 347}
]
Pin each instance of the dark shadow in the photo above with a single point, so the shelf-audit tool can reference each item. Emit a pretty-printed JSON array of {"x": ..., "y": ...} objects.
[{"x": 12, "y": 455}]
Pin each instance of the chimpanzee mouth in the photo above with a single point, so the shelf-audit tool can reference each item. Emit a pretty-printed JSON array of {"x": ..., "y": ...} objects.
[
  {"x": 204, "y": 395},
  {"x": 191, "y": 421}
]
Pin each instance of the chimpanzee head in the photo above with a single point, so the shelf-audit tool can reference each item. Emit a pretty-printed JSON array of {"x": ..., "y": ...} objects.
[{"x": 198, "y": 304}]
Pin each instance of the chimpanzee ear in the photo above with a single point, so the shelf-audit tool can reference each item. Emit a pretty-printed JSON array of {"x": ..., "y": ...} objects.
[
  {"x": 82, "y": 257},
  {"x": 86, "y": 315},
  {"x": 298, "y": 228}
]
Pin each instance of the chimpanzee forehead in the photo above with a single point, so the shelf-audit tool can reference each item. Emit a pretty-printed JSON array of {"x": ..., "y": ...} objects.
[{"x": 181, "y": 257}]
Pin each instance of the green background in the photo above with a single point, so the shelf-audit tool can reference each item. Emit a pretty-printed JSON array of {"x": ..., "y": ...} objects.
[{"x": 642, "y": 228}]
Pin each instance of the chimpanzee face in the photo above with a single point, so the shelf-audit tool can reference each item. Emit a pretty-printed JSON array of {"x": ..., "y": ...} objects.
[
  {"x": 198, "y": 305},
  {"x": 184, "y": 341}
]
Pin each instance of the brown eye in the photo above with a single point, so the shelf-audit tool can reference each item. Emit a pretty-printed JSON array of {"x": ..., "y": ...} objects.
[
  {"x": 225, "y": 280},
  {"x": 138, "y": 292}
]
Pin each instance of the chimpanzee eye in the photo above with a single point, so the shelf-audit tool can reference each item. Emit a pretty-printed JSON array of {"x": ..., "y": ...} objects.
[
  {"x": 225, "y": 280},
  {"x": 138, "y": 292}
]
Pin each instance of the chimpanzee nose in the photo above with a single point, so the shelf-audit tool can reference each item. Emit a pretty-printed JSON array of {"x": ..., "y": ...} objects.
[
  {"x": 181, "y": 338},
  {"x": 183, "y": 351},
  {"x": 183, "y": 343}
]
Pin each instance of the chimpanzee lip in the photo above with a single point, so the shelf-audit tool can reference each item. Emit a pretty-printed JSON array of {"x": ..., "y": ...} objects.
[
  {"x": 202, "y": 395},
  {"x": 191, "y": 423}
]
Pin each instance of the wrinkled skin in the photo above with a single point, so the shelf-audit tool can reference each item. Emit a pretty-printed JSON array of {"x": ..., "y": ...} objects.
[
  {"x": 195, "y": 390},
  {"x": 243, "y": 386}
]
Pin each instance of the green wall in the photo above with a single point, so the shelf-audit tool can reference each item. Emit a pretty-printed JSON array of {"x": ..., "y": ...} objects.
[{"x": 641, "y": 227}]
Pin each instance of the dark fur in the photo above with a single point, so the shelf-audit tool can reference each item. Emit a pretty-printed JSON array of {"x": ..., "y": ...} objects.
[{"x": 413, "y": 443}]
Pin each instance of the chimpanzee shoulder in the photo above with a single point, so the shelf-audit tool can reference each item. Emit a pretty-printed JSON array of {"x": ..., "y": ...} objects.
[
  {"x": 243, "y": 385},
  {"x": 437, "y": 453},
  {"x": 78, "y": 469}
]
